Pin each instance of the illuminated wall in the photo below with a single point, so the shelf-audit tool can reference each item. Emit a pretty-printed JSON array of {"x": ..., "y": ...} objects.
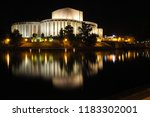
[
  {"x": 27, "y": 28},
  {"x": 68, "y": 13},
  {"x": 100, "y": 32},
  {"x": 53, "y": 27}
]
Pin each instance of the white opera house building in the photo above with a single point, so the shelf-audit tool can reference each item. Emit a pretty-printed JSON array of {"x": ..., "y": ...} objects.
[{"x": 51, "y": 27}]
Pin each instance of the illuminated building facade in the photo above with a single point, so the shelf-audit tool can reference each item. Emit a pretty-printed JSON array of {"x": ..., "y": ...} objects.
[{"x": 51, "y": 27}]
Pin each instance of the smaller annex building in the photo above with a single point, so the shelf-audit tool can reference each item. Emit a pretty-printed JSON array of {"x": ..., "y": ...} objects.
[{"x": 51, "y": 27}]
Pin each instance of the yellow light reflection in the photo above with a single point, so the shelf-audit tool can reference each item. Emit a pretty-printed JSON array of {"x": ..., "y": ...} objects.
[
  {"x": 119, "y": 57},
  {"x": 30, "y": 50},
  {"x": 129, "y": 55},
  {"x": 65, "y": 49},
  {"x": 73, "y": 81},
  {"x": 98, "y": 58},
  {"x": 45, "y": 58},
  {"x": 122, "y": 57},
  {"x": 26, "y": 59},
  {"x": 113, "y": 58},
  {"x": 65, "y": 58},
  {"x": 32, "y": 58},
  {"x": 39, "y": 50},
  {"x": 74, "y": 49},
  {"x": 8, "y": 59}
]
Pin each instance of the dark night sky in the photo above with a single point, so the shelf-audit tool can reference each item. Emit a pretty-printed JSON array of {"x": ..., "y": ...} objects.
[{"x": 115, "y": 17}]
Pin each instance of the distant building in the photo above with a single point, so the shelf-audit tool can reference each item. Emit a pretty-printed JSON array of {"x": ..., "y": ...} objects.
[
  {"x": 51, "y": 27},
  {"x": 114, "y": 38}
]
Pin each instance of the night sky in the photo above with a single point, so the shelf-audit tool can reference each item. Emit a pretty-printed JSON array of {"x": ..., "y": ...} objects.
[{"x": 120, "y": 18}]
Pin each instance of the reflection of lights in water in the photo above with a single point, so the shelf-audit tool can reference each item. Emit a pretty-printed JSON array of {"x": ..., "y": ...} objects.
[
  {"x": 30, "y": 50},
  {"x": 39, "y": 50},
  {"x": 82, "y": 57},
  {"x": 74, "y": 49},
  {"x": 134, "y": 54},
  {"x": 59, "y": 73},
  {"x": 99, "y": 57},
  {"x": 52, "y": 70},
  {"x": 122, "y": 57},
  {"x": 147, "y": 54},
  {"x": 129, "y": 55},
  {"x": 8, "y": 59},
  {"x": 94, "y": 67},
  {"x": 50, "y": 58},
  {"x": 65, "y": 49},
  {"x": 32, "y": 57},
  {"x": 65, "y": 58},
  {"x": 68, "y": 82},
  {"x": 40, "y": 58},
  {"x": 137, "y": 54},
  {"x": 113, "y": 58},
  {"x": 126, "y": 55},
  {"x": 119, "y": 57},
  {"x": 105, "y": 58},
  {"x": 45, "y": 58},
  {"x": 26, "y": 59}
]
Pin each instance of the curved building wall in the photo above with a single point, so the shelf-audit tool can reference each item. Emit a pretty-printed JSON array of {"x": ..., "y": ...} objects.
[
  {"x": 53, "y": 27},
  {"x": 27, "y": 28},
  {"x": 67, "y": 13}
]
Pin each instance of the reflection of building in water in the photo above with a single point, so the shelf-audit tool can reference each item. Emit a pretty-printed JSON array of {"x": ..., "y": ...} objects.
[
  {"x": 45, "y": 66},
  {"x": 98, "y": 65},
  {"x": 63, "y": 72},
  {"x": 67, "y": 82},
  {"x": 49, "y": 66}
]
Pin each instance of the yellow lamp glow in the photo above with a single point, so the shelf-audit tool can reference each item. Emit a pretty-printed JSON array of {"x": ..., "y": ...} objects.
[
  {"x": 65, "y": 40},
  {"x": 98, "y": 40},
  {"x": 26, "y": 40},
  {"x": 45, "y": 40},
  {"x": 7, "y": 41},
  {"x": 51, "y": 40}
]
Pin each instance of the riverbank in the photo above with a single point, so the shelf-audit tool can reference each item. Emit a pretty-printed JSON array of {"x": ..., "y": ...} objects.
[{"x": 102, "y": 46}]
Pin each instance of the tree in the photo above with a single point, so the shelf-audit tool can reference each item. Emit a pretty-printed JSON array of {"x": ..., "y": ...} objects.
[
  {"x": 34, "y": 35},
  {"x": 16, "y": 37},
  {"x": 42, "y": 35},
  {"x": 85, "y": 34},
  {"x": 61, "y": 34},
  {"x": 85, "y": 30},
  {"x": 68, "y": 31}
]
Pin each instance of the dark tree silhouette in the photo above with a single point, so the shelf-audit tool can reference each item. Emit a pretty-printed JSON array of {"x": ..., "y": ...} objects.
[
  {"x": 61, "y": 34},
  {"x": 68, "y": 31},
  {"x": 34, "y": 35},
  {"x": 42, "y": 35},
  {"x": 85, "y": 30},
  {"x": 16, "y": 37},
  {"x": 85, "y": 34}
]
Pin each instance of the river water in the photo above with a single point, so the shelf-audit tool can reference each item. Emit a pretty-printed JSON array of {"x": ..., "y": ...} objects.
[{"x": 72, "y": 74}]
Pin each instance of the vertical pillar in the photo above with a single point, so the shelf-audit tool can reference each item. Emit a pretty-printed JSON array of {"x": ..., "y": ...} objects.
[{"x": 56, "y": 28}]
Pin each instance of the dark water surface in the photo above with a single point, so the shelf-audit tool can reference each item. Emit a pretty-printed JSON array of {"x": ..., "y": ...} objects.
[{"x": 39, "y": 74}]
